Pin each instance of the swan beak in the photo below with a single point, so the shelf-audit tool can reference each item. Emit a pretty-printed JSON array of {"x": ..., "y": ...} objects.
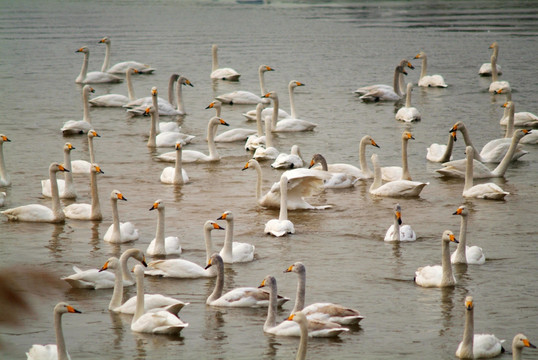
[
  {"x": 468, "y": 305},
  {"x": 409, "y": 65},
  {"x": 208, "y": 265},
  {"x": 268, "y": 68},
  {"x": 187, "y": 82},
  {"x": 211, "y": 106},
  {"x": 504, "y": 105},
  {"x": 458, "y": 212},
  {"x": 454, "y": 128},
  {"x": 266, "y": 95},
  {"x": 146, "y": 112},
  {"x": 399, "y": 217},
  {"x": 453, "y": 238},
  {"x": 374, "y": 144},
  {"x": 154, "y": 207},
  {"x": 222, "y": 217},
  {"x": 4, "y": 138},
  {"x": 262, "y": 284},
  {"x": 527, "y": 343},
  {"x": 121, "y": 197},
  {"x": 153, "y": 92},
  {"x": 79, "y": 50},
  {"x": 312, "y": 163},
  {"x": 73, "y": 310},
  {"x": 94, "y": 133},
  {"x": 300, "y": 83},
  {"x": 222, "y": 122},
  {"x": 499, "y": 91},
  {"x": 104, "y": 267},
  {"x": 290, "y": 269},
  {"x": 218, "y": 227},
  {"x": 61, "y": 168},
  {"x": 417, "y": 56},
  {"x": 144, "y": 262},
  {"x": 454, "y": 136},
  {"x": 245, "y": 167},
  {"x": 404, "y": 72},
  {"x": 98, "y": 170},
  {"x": 291, "y": 317}
]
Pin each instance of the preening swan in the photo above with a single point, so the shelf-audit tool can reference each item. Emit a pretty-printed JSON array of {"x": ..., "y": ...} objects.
[
  {"x": 438, "y": 275},
  {"x": 233, "y": 251},
  {"x": 119, "y": 232},
  {"x": 96, "y": 279},
  {"x": 522, "y": 118},
  {"x": 401, "y": 83},
  {"x": 166, "y": 108},
  {"x": 476, "y": 346},
  {"x": 72, "y": 127},
  {"x": 161, "y": 245},
  {"x": 281, "y": 226},
  {"x": 497, "y": 84},
  {"x": 255, "y": 141},
  {"x": 175, "y": 175},
  {"x": 221, "y": 73},
  {"x": 466, "y": 254},
  {"x": 58, "y": 350},
  {"x": 289, "y": 124},
  {"x": 93, "y": 77},
  {"x": 147, "y": 100},
  {"x": 238, "y": 297},
  {"x": 117, "y": 100},
  {"x": 397, "y": 231},
  {"x": 386, "y": 94},
  {"x": 121, "y": 67},
  {"x": 267, "y": 152},
  {"x": 38, "y": 212},
  {"x": 242, "y": 97},
  {"x": 4, "y": 176},
  {"x": 300, "y": 319},
  {"x": 292, "y": 160},
  {"x": 290, "y": 328},
  {"x": 408, "y": 113},
  {"x": 440, "y": 152},
  {"x": 155, "y": 322},
  {"x": 337, "y": 180},
  {"x": 428, "y": 80},
  {"x": 166, "y": 138},
  {"x": 320, "y": 311},
  {"x": 485, "y": 69},
  {"x": 184, "y": 269},
  {"x": 396, "y": 188},
  {"x": 87, "y": 211},
  {"x": 488, "y": 191},
  {"x": 251, "y": 115},
  {"x": 66, "y": 188},
  {"x": 83, "y": 166},
  {"x": 520, "y": 341}
]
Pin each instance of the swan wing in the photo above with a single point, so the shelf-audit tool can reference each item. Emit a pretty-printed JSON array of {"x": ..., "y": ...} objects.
[
  {"x": 160, "y": 322},
  {"x": 90, "y": 279},
  {"x": 43, "y": 352},
  {"x": 294, "y": 125},
  {"x": 488, "y": 191},
  {"x": 72, "y": 127},
  {"x": 279, "y": 228},
  {"x": 78, "y": 211},
  {"x": 232, "y": 135},
  {"x": 30, "y": 213},
  {"x": 98, "y": 77},
  {"x": 432, "y": 81},
  {"x": 178, "y": 268},
  {"x": 225, "y": 74},
  {"x": 486, "y": 346},
  {"x": 475, "y": 255},
  {"x": 109, "y": 100},
  {"x": 121, "y": 67},
  {"x": 429, "y": 276},
  {"x": 241, "y": 98},
  {"x": 332, "y": 313}
]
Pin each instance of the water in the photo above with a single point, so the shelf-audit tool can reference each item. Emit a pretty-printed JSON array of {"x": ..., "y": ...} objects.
[{"x": 333, "y": 48}]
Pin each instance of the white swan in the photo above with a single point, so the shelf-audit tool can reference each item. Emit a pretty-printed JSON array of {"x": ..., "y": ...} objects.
[
  {"x": 522, "y": 118},
  {"x": 164, "y": 139},
  {"x": 476, "y": 346},
  {"x": 175, "y": 175},
  {"x": 256, "y": 140},
  {"x": 267, "y": 152},
  {"x": 281, "y": 226},
  {"x": 72, "y": 127},
  {"x": 165, "y": 107},
  {"x": 290, "y": 124},
  {"x": 184, "y": 269},
  {"x": 157, "y": 322},
  {"x": 238, "y": 297},
  {"x": 337, "y": 180},
  {"x": 152, "y": 302},
  {"x": 38, "y": 212},
  {"x": 119, "y": 232},
  {"x": 291, "y": 328},
  {"x": 5, "y": 180},
  {"x": 66, "y": 188},
  {"x": 386, "y": 94},
  {"x": 438, "y": 275},
  {"x": 466, "y": 254},
  {"x": 233, "y": 251},
  {"x": 83, "y": 166},
  {"x": 396, "y": 188},
  {"x": 87, "y": 211},
  {"x": 489, "y": 191},
  {"x": 117, "y": 100},
  {"x": 392, "y": 173},
  {"x": 161, "y": 245},
  {"x": 401, "y": 83},
  {"x": 93, "y": 77},
  {"x": 520, "y": 341},
  {"x": 330, "y": 312},
  {"x": 221, "y": 73},
  {"x": 232, "y": 135},
  {"x": 292, "y": 160},
  {"x": 408, "y": 113},
  {"x": 58, "y": 350},
  {"x": 147, "y": 100},
  {"x": 161, "y": 127},
  {"x": 282, "y": 114},
  {"x": 3, "y": 195},
  {"x": 121, "y": 67},
  {"x": 397, "y": 231},
  {"x": 300, "y": 319},
  {"x": 242, "y": 97},
  {"x": 96, "y": 279},
  {"x": 428, "y": 80},
  {"x": 481, "y": 171},
  {"x": 440, "y": 152},
  {"x": 497, "y": 84},
  {"x": 485, "y": 68}
]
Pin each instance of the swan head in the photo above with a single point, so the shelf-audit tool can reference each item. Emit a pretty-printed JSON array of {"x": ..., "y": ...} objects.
[
  {"x": 316, "y": 158},
  {"x": 507, "y": 104},
  {"x": 184, "y": 81},
  {"x": 117, "y": 195},
  {"x": 462, "y": 210},
  {"x": 57, "y": 167},
  {"x": 406, "y": 135},
  {"x": 97, "y": 169},
  {"x": 271, "y": 95},
  {"x": 295, "y": 83},
  {"x": 88, "y": 89},
  {"x": 215, "y": 259},
  {"x": 138, "y": 270},
  {"x": 449, "y": 236},
  {"x": 154, "y": 91},
  {"x": 469, "y": 303},
  {"x": 149, "y": 110},
  {"x": 398, "y": 213},
  {"x": 519, "y": 133},
  {"x": 368, "y": 140},
  {"x": 214, "y": 104},
  {"x": 178, "y": 146},
  {"x": 4, "y": 138},
  {"x": 158, "y": 204},
  {"x": 92, "y": 133},
  {"x": 211, "y": 225},
  {"x": 104, "y": 40},
  {"x": 494, "y": 45},
  {"x": 111, "y": 263},
  {"x": 250, "y": 163},
  {"x": 227, "y": 215},
  {"x": 69, "y": 147},
  {"x": 298, "y": 317},
  {"x": 457, "y": 126},
  {"x": 406, "y": 62},
  {"x": 84, "y": 50},
  {"x": 520, "y": 341},
  {"x": 269, "y": 281},
  {"x": 220, "y": 121},
  {"x": 297, "y": 267},
  {"x": 63, "y": 307},
  {"x": 264, "y": 68}
]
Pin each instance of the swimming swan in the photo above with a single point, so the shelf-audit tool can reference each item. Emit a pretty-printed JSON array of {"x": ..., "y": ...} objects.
[
  {"x": 166, "y": 138},
  {"x": 221, "y": 73},
  {"x": 121, "y": 67},
  {"x": 242, "y": 97},
  {"x": 119, "y": 232},
  {"x": 408, "y": 113},
  {"x": 488, "y": 191},
  {"x": 91, "y": 211},
  {"x": 117, "y": 100},
  {"x": 440, "y": 152},
  {"x": 391, "y": 173},
  {"x": 94, "y": 77},
  {"x": 337, "y": 180},
  {"x": 397, "y": 231},
  {"x": 281, "y": 226},
  {"x": 438, "y": 275},
  {"x": 147, "y": 100},
  {"x": 83, "y": 166},
  {"x": 175, "y": 175},
  {"x": 289, "y": 124},
  {"x": 166, "y": 108},
  {"x": 466, "y": 254},
  {"x": 522, "y": 118},
  {"x": 497, "y": 84},
  {"x": 520, "y": 341},
  {"x": 72, "y": 127},
  {"x": 5, "y": 180},
  {"x": 386, "y": 94},
  {"x": 161, "y": 245},
  {"x": 66, "y": 187},
  {"x": 293, "y": 160},
  {"x": 233, "y": 251},
  {"x": 396, "y": 188},
  {"x": 256, "y": 140},
  {"x": 485, "y": 68},
  {"x": 282, "y": 114},
  {"x": 401, "y": 83},
  {"x": 428, "y": 80}
]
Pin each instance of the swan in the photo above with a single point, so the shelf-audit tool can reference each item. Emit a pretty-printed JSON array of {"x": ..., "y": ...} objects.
[
  {"x": 238, "y": 297},
  {"x": 428, "y": 80},
  {"x": 365, "y": 89},
  {"x": 117, "y": 100},
  {"x": 38, "y": 212},
  {"x": 337, "y": 180},
  {"x": 485, "y": 68},
  {"x": 292, "y": 160},
  {"x": 147, "y": 100},
  {"x": 175, "y": 175},
  {"x": 83, "y": 166},
  {"x": 221, "y": 73},
  {"x": 72, "y": 127},
  {"x": 386, "y": 94},
  {"x": 233, "y": 251},
  {"x": 522, "y": 118},
  {"x": 329, "y": 312},
  {"x": 475, "y": 346},
  {"x": 58, "y": 350},
  {"x": 391, "y": 173},
  {"x": 282, "y": 114},
  {"x": 164, "y": 139},
  {"x": 438, "y": 275},
  {"x": 119, "y": 232},
  {"x": 440, "y": 152},
  {"x": 397, "y": 231},
  {"x": 396, "y": 188},
  {"x": 66, "y": 188},
  {"x": 184, "y": 269},
  {"x": 87, "y": 211},
  {"x": 96, "y": 279},
  {"x": 520, "y": 341},
  {"x": 242, "y": 97},
  {"x": 497, "y": 84},
  {"x": 481, "y": 171},
  {"x": 290, "y": 124},
  {"x": 5, "y": 180},
  {"x": 300, "y": 319},
  {"x": 121, "y": 67},
  {"x": 152, "y": 302},
  {"x": 161, "y": 127},
  {"x": 267, "y": 152},
  {"x": 466, "y": 254},
  {"x": 256, "y": 140},
  {"x": 93, "y": 77},
  {"x": 166, "y": 108},
  {"x": 3, "y": 195},
  {"x": 290, "y": 328},
  {"x": 408, "y": 113},
  {"x": 161, "y": 245},
  {"x": 281, "y": 226},
  {"x": 489, "y": 191},
  {"x": 301, "y": 183},
  {"x": 157, "y": 322},
  {"x": 237, "y": 134}
]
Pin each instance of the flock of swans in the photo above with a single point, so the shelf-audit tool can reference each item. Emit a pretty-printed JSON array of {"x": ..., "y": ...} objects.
[{"x": 158, "y": 314}]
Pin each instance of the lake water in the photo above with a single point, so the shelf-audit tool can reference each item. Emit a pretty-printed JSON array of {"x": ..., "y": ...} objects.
[{"x": 333, "y": 48}]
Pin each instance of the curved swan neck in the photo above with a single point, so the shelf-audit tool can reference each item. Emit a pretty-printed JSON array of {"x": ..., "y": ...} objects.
[
  {"x": 95, "y": 204},
  {"x": 469, "y": 169},
  {"x": 60, "y": 341},
  {"x": 511, "y": 118},
  {"x": 3, "y": 172},
  {"x": 208, "y": 243},
  {"x": 139, "y": 311},
  {"x": 80, "y": 78},
  {"x": 449, "y": 147},
  {"x": 178, "y": 167},
  {"x": 461, "y": 253},
  {"x": 228, "y": 239},
  {"x": 447, "y": 278},
  {"x": 268, "y": 133},
  {"x": 129, "y": 81},
  {"x": 291, "y": 89},
  {"x": 283, "y": 215},
  {"x": 159, "y": 233},
  {"x": 323, "y": 163},
  {"x": 274, "y": 117},
  {"x": 507, "y": 159},
  {"x": 211, "y": 131},
  {"x": 271, "y": 310},
  {"x": 259, "y": 128},
  {"x": 56, "y": 206},
  {"x": 171, "y": 85},
  {"x": 261, "y": 71},
  {"x": 125, "y": 273},
  {"x": 362, "y": 155},
  {"x": 396, "y": 81},
  {"x": 408, "y": 95},
  {"x": 468, "y": 142},
  {"x": 86, "y": 105},
  {"x": 219, "y": 284},
  {"x": 424, "y": 69},
  {"x": 117, "y": 295},
  {"x": 106, "y": 61},
  {"x": 301, "y": 291},
  {"x": 405, "y": 166}
]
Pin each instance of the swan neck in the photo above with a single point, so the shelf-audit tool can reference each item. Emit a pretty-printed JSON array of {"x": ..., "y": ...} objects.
[
  {"x": 405, "y": 166},
  {"x": 424, "y": 66},
  {"x": 461, "y": 250},
  {"x": 396, "y": 82},
  {"x": 68, "y": 175},
  {"x": 80, "y": 78},
  {"x": 152, "y": 142},
  {"x": 468, "y": 142},
  {"x": 292, "y": 102},
  {"x": 90, "y": 149},
  {"x": 211, "y": 131},
  {"x": 130, "y": 88},
  {"x": 208, "y": 244},
  {"x": 179, "y": 98},
  {"x": 156, "y": 115},
  {"x": 178, "y": 167},
  {"x": 507, "y": 159},
  {"x": 3, "y": 172},
  {"x": 377, "y": 176},
  {"x": 259, "y": 128},
  {"x": 262, "y": 81},
  {"x": 215, "y": 59},
  {"x": 510, "y": 123},
  {"x": 228, "y": 240},
  {"x": 268, "y": 133},
  {"x": 106, "y": 61},
  {"x": 125, "y": 273},
  {"x": 159, "y": 233},
  {"x": 95, "y": 205},
  {"x": 270, "y": 322},
  {"x": 401, "y": 81},
  {"x": 362, "y": 157},
  {"x": 86, "y": 105},
  {"x": 448, "y": 278},
  {"x": 115, "y": 220},
  {"x": 396, "y": 229},
  {"x": 259, "y": 181},
  {"x": 117, "y": 295},
  {"x": 56, "y": 206},
  {"x": 60, "y": 341},
  {"x": 468, "y": 173},
  {"x": 171, "y": 85},
  {"x": 283, "y": 215},
  {"x": 408, "y": 98},
  {"x": 274, "y": 117},
  {"x": 468, "y": 335},
  {"x": 301, "y": 352},
  {"x": 448, "y": 150},
  {"x": 219, "y": 284},
  {"x": 494, "y": 74},
  {"x": 139, "y": 311},
  {"x": 301, "y": 291},
  {"x": 323, "y": 163}
]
